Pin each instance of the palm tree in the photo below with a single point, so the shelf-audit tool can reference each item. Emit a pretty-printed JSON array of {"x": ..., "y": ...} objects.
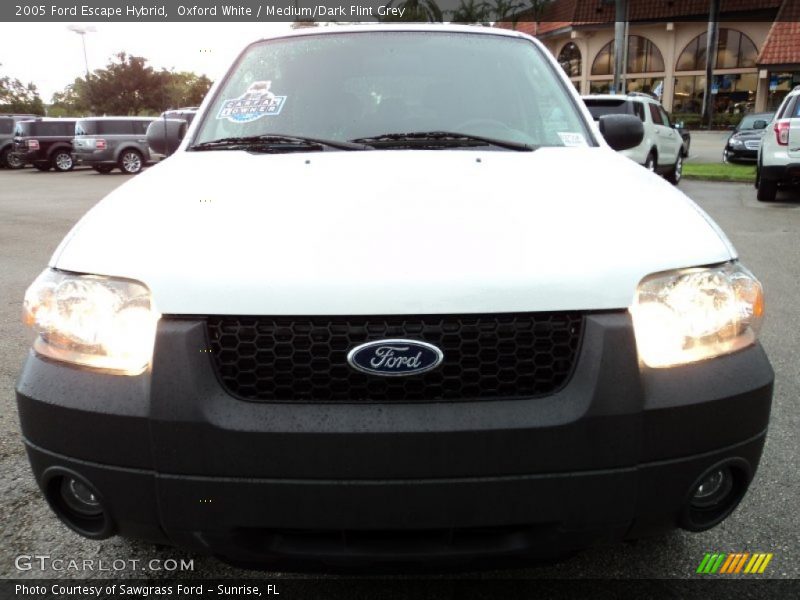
[
  {"x": 420, "y": 11},
  {"x": 506, "y": 10},
  {"x": 472, "y": 11}
]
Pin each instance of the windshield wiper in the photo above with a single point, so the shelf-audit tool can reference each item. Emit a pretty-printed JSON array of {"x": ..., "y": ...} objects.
[
  {"x": 438, "y": 139},
  {"x": 275, "y": 143}
]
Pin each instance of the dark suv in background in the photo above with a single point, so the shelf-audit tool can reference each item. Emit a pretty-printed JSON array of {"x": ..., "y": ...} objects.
[
  {"x": 8, "y": 122},
  {"x": 45, "y": 143},
  {"x": 104, "y": 143}
]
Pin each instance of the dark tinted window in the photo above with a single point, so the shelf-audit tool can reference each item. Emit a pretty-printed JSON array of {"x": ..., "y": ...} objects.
[
  {"x": 115, "y": 127},
  {"x": 6, "y": 125},
  {"x": 52, "y": 128},
  {"x": 638, "y": 110},
  {"x": 601, "y": 108},
  {"x": 655, "y": 114},
  {"x": 791, "y": 109},
  {"x": 664, "y": 117},
  {"x": 140, "y": 127}
]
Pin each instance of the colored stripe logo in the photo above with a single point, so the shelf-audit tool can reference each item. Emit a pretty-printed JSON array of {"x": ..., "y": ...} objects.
[{"x": 734, "y": 564}]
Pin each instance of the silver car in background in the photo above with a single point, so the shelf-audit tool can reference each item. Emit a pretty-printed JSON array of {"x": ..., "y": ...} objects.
[{"x": 104, "y": 143}]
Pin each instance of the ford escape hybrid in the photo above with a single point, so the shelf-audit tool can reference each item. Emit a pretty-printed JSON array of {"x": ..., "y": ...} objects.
[{"x": 394, "y": 298}]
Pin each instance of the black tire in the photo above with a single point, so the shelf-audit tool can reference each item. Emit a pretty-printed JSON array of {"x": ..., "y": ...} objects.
[
  {"x": 676, "y": 174},
  {"x": 61, "y": 160},
  {"x": 42, "y": 167},
  {"x": 104, "y": 169},
  {"x": 9, "y": 160},
  {"x": 651, "y": 162},
  {"x": 767, "y": 190},
  {"x": 685, "y": 150},
  {"x": 130, "y": 162}
]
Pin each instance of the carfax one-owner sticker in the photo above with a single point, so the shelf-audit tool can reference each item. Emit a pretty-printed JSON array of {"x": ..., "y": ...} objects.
[{"x": 258, "y": 101}]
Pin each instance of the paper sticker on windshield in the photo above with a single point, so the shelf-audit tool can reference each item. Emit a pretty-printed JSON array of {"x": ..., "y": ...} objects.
[
  {"x": 572, "y": 139},
  {"x": 258, "y": 101}
]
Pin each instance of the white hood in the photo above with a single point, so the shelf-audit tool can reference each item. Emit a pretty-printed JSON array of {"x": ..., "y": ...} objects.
[{"x": 392, "y": 232}]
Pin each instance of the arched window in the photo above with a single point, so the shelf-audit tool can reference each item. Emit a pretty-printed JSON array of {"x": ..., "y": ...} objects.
[
  {"x": 643, "y": 57},
  {"x": 734, "y": 51},
  {"x": 570, "y": 60}
]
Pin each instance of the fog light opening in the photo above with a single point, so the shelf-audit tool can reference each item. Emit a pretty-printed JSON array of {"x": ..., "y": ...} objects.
[
  {"x": 715, "y": 494},
  {"x": 79, "y": 497},
  {"x": 77, "y": 503}
]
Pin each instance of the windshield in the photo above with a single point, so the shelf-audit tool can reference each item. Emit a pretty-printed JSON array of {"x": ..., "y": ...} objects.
[
  {"x": 748, "y": 121},
  {"x": 348, "y": 86}
]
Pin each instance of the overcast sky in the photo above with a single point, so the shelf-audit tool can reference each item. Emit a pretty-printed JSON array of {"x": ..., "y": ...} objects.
[{"x": 50, "y": 55}]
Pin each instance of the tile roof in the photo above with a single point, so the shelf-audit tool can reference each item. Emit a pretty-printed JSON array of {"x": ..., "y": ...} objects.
[
  {"x": 783, "y": 40},
  {"x": 563, "y": 13}
]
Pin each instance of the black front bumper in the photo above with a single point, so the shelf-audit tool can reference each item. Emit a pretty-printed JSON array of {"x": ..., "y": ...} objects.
[
  {"x": 743, "y": 154},
  {"x": 613, "y": 455}
]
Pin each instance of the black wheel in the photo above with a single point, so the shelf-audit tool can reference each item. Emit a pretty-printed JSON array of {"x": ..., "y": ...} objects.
[
  {"x": 767, "y": 190},
  {"x": 62, "y": 161},
  {"x": 651, "y": 163},
  {"x": 130, "y": 162},
  {"x": 675, "y": 175},
  {"x": 103, "y": 168},
  {"x": 9, "y": 160},
  {"x": 42, "y": 167}
]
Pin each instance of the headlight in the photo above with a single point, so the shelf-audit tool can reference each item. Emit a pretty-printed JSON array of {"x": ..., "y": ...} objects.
[
  {"x": 692, "y": 314},
  {"x": 94, "y": 321},
  {"x": 736, "y": 142}
]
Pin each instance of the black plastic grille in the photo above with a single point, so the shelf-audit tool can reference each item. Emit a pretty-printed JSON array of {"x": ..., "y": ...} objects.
[{"x": 305, "y": 358}]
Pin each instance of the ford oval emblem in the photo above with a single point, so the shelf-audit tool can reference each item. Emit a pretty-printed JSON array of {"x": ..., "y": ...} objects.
[{"x": 393, "y": 358}]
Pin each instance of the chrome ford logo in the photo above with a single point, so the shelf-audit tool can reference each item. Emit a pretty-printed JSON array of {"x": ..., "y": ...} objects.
[{"x": 395, "y": 357}]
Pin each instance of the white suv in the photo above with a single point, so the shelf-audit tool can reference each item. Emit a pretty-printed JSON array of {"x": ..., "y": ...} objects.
[
  {"x": 779, "y": 154},
  {"x": 661, "y": 149},
  {"x": 403, "y": 302}
]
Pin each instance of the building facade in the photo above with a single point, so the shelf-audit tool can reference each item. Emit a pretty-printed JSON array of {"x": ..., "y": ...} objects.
[{"x": 757, "y": 60}]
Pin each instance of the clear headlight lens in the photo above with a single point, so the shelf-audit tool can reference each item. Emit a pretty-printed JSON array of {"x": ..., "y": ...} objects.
[
  {"x": 693, "y": 314},
  {"x": 94, "y": 321}
]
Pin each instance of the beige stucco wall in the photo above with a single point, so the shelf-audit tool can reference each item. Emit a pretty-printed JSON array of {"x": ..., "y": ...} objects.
[{"x": 670, "y": 38}]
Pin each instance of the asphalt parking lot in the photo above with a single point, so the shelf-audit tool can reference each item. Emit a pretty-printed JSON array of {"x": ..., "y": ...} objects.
[{"x": 37, "y": 209}]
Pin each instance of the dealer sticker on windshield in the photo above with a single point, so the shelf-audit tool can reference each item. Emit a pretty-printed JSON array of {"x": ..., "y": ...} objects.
[
  {"x": 258, "y": 101},
  {"x": 572, "y": 139}
]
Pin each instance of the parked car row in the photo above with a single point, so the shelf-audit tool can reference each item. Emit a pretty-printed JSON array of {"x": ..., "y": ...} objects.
[{"x": 103, "y": 143}]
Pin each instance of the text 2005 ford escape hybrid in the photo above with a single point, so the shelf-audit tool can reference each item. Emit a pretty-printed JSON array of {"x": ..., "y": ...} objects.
[{"x": 395, "y": 297}]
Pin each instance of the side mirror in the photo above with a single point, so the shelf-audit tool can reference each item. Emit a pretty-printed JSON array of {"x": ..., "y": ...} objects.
[
  {"x": 759, "y": 124},
  {"x": 621, "y": 131},
  {"x": 165, "y": 135}
]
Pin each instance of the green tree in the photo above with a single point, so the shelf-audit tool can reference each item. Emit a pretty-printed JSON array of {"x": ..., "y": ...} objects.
[
  {"x": 126, "y": 86},
  {"x": 181, "y": 88},
  {"x": 129, "y": 86},
  {"x": 18, "y": 97}
]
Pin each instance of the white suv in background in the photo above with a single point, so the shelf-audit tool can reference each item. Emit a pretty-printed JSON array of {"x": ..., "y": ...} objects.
[
  {"x": 779, "y": 154},
  {"x": 661, "y": 149}
]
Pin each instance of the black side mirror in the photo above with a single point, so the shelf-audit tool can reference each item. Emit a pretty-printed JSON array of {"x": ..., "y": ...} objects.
[
  {"x": 165, "y": 135},
  {"x": 759, "y": 124},
  {"x": 621, "y": 131}
]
